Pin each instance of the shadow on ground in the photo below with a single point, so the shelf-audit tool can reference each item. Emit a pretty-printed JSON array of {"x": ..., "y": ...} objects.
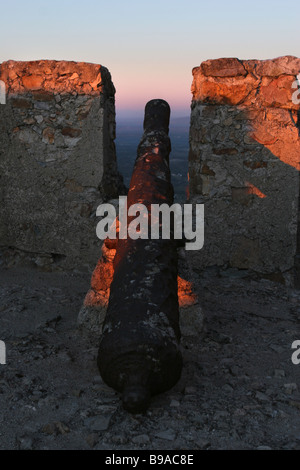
[{"x": 239, "y": 388}]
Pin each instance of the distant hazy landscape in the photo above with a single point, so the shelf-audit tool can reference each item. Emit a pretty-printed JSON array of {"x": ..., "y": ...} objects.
[{"x": 129, "y": 132}]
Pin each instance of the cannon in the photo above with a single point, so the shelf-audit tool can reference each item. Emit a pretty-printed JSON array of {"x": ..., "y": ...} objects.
[{"x": 139, "y": 353}]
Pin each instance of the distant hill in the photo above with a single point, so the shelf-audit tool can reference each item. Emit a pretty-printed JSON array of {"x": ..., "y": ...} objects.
[
  {"x": 180, "y": 123},
  {"x": 133, "y": 125},
  {"x": 129, "y": 132}
]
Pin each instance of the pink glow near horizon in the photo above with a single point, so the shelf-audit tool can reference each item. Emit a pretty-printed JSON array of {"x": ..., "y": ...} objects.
[
  {"x": 134, "y": 91},
  {"x": 150, "y": 48}
]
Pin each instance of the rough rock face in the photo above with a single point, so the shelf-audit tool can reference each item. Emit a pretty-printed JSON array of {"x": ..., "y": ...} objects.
[
  {"x": 244, "y": 162},
  {"x": 57, "y": 160}
]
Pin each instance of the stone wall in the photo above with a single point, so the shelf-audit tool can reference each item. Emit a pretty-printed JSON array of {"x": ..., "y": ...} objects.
[
  {"x": 244, "y": 162},
  {"x": 57, "y": 161}
]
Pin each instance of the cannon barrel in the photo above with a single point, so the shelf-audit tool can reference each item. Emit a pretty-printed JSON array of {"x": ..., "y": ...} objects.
[{"x": 139, "y": 352}]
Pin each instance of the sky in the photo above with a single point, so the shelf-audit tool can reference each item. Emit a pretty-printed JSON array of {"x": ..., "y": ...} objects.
[{"x": 149, "y": 47}]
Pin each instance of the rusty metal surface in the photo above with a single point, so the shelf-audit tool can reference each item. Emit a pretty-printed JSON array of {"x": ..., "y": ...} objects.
[{"x": 139, "y": 349}]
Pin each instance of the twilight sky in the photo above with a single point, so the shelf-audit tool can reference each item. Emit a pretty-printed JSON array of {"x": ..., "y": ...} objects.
[{"x": 150, "y": 47}]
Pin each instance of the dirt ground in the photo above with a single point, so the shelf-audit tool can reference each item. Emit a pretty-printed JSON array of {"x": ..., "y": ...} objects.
[{"x": 239, "y": 388}]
